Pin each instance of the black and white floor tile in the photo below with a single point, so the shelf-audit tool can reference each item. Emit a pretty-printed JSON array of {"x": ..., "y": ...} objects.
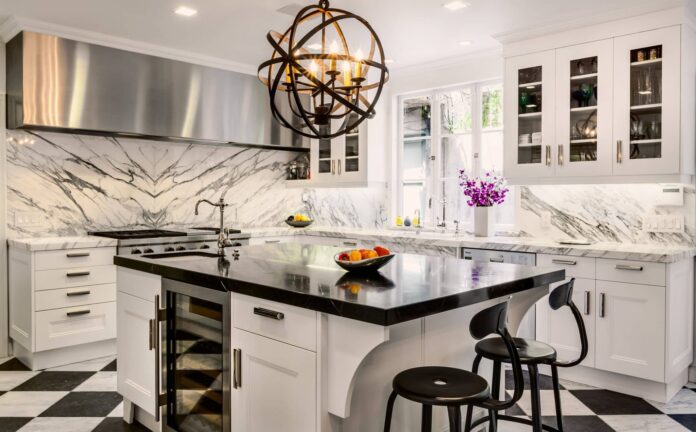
[{"x": 83, "y": 398}]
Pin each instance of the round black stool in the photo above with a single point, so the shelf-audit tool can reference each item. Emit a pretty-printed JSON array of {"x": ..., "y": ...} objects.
[
  {"x": 453, "y": 388},
  {"x": 532, "y": 353}
]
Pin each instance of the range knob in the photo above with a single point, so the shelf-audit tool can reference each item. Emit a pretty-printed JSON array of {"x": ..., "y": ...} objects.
[
  {"x": 148, "y": 250},
  {"x": 136, "y": 252},
  {"x": 205, "y": 246},
  {"x": 169, "y": 249},
  {"x": 181, "y": 248}
]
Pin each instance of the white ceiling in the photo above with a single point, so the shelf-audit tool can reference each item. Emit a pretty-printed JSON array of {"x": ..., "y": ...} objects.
[{"x": 412, "y": 31}]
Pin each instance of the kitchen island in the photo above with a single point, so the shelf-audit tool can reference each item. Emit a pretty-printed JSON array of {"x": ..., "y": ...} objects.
[{"x": 302, "y": 345}]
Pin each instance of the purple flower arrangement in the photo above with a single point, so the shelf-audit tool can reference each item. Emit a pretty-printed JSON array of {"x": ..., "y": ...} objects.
[{"x": 483, "y": 192}]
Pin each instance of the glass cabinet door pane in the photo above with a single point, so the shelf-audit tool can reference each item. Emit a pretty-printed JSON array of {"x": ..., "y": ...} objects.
[
  {"x": 646, "y": 103},
  {"x": 325, "y": 156},
  {"x": 529, "y": 115},
  {"x": 583, "y": 109}
]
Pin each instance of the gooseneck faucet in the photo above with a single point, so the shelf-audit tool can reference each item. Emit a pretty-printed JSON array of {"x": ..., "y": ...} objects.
[{"x": 223, "y": 237}]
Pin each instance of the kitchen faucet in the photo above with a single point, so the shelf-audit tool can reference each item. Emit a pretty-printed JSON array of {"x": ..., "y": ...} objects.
[{"x": 223, "y": 236}]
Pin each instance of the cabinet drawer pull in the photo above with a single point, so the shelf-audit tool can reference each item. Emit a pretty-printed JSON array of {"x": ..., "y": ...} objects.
[
  {"x": 619, "y": 155},
  {"x": 78, "y": 293},
  {"x": 272, "y": 241},
  {"x": 151, "y": 338},
  {"x": 268, "y": 313},
  {"x": 564, "y": 262},
  {"x": 77, "y": 254},
  {"x": 237, "y": 373},
  {"x": 78, "y": 313},
  {"x": 587, "y": 303},
  {"x": 76, "y": 274},
  {"x": 497, "y": 260},
  {"x": 601, "y": 305},
  {"x": 628, "y": 267}
]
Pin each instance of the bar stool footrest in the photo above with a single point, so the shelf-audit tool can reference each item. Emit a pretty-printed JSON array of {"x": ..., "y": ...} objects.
[{"x": 528, "y": 422}]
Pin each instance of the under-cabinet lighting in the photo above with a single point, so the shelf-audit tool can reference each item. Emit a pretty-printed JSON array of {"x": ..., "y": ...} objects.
[
  {"x": 185, "y": 11},
  {"x": 455, "y": 5}
]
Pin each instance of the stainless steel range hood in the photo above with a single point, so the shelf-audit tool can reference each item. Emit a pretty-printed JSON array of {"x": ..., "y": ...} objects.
[{"x": 64, "y": 85}]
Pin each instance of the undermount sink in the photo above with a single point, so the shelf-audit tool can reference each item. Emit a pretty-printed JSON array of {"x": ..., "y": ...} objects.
[{"x": 181, "y": 256}]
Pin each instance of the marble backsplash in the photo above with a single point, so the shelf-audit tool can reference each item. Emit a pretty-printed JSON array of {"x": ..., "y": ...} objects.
[
  {"x": 76, "y": 183},
  {"x": 602, "y": 213}
]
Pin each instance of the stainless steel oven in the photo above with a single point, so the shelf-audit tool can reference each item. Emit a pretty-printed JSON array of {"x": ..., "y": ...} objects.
[{"x": 195, "y": 364}]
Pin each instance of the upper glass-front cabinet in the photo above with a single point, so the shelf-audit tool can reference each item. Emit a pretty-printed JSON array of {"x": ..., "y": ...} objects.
[
  {"x": 529, "y": 86},
  {"x": 584, "y": 107},
  {"x": 646, "y": 120}
]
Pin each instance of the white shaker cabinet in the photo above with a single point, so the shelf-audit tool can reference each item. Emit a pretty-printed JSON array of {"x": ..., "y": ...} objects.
[{"x": 529, "y": 98}]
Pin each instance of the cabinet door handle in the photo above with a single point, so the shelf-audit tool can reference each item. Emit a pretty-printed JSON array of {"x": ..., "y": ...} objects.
[
  {"x": 272, "y": 241},
  {"x": 548, "y": 155},
  {"x": 333, "y": 167},
  {"x": 78, "y": 313},
  {"x": 587, "y": 303},
  {"x": 628, "y": 267},
  {"x": 560, "y": 155},
  {"x": 269, "y": 313},
  {"x": 496, "y": 260},
  {"x": 155, "y": 343},
  {"x": 601, "y": 305},
  {"x": 77, "y": 254},
  {"x": 237, "y": 373},
  {"x": 151, "y": 339},
  {"x": 619, "y": 155},
  {"x": 76, "y": 274},
  {"x": 77, "y": 293},
  {"x": 339, "y": 167},
  {"x": 564, "y": 262}
]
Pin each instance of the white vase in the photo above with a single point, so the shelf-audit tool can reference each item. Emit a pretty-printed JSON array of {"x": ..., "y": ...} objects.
[{"x": 484, "y": 222}]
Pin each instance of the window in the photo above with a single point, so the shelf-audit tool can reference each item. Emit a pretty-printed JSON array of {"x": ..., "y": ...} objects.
[{"x": 441, "y": 132}]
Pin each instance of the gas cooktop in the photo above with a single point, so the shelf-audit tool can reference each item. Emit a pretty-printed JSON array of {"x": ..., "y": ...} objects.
[{"x": 137, "y": 234}]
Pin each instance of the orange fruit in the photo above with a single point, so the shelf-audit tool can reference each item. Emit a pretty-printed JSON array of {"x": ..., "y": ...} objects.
[
  {"x": 382, "y": 251},
  {"x": 365, "y": 253},
  {"x": 355, "y": 255},
  {"x": 372, "y": 254}
]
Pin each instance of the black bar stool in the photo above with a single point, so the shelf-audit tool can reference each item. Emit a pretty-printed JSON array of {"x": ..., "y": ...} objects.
[
  {"x": 454, "y": 388},
  {"x": 533, "y": 353}
]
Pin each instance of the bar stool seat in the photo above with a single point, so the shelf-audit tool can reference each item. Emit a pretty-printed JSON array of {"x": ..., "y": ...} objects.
[
  {"x": 442, "y": 386},
  {"x": 531, "y": 351}
]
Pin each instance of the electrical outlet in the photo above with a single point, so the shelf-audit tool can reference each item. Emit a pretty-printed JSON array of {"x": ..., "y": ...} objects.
[
  {"x": 663, "y": 223},
  {"x": 28, "y": 219}
]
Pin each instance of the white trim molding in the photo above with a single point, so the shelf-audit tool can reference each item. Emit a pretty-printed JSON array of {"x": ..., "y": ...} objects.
[{"x": 13, "y": 25}]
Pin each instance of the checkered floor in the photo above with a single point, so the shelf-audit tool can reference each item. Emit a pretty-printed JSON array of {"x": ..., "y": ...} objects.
[{"x": 82, "y": 398}]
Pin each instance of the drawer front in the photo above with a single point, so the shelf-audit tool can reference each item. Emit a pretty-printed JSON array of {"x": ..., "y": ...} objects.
[
  {"x": 74, "y": 277},
  {"x": 284, "y": 323},
  {"x": 577, "y": 267},
  {"x": 645, "y": 273},
  {"x": 60, "y": 259},
  {"x": 70, "y": 297},
  {"x": 65, "y": 327}
]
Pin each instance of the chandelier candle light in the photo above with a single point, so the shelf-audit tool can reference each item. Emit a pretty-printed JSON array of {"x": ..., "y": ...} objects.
[
  {"x": 483, "y": 193},
  {"x": 331, "y": 86}
]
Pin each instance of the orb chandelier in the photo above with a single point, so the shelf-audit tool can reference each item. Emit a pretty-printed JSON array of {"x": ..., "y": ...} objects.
[{"x": 326, "y": 85}]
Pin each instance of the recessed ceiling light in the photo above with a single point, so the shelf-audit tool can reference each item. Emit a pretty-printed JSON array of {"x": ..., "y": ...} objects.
[
  {"x": 185, "y": 11},
  {"x": 465, "y": 43},
  {"x": 455, "y": 5},
  {"x": 388, "y": 61},
  {"x": 314, "y": 46}
]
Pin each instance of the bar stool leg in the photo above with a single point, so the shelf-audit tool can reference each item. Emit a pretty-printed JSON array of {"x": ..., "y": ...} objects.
[
  {"x": 455, "y": 419},
  {"x": 493, "y": 422},
  {"x": 536, "y": 398},
  {"x": 495, "y": 383},
  {"x": 470, "y": 408},
  {"x": 427, "y": 419},
  {"x": 557, "y": 398},
  {"x": 390, "y": 410}
]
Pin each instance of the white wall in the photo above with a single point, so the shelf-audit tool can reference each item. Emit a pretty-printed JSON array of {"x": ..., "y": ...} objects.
[{"x": 3, "y": 213}]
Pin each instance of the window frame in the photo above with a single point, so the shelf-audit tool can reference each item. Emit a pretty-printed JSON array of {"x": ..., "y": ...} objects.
[{"x": 434, "y": 189}]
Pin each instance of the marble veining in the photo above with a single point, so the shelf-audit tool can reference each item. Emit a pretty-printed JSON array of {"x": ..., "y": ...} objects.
[
  {"x": 79, "y": 183},
  {"x": 61, "y": 243}
]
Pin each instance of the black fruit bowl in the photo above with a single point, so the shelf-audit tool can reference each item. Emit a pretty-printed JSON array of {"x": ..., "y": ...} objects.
[
  {"x": 299, "y": 224},
  {"x": 366, "y": 265}
]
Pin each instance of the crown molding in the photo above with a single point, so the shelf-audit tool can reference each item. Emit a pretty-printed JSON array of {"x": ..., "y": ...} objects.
[
  {"x": 592, "y": 20},
  {"x": 13, "y": 25}
]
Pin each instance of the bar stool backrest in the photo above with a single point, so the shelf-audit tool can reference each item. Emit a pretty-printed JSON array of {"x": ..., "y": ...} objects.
[
  {"x": 493, "y": 321},
  {"x": 563, "y": 296}
]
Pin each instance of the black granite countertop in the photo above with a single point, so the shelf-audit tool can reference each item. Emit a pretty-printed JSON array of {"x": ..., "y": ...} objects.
[{"x": 408, "y": 287}]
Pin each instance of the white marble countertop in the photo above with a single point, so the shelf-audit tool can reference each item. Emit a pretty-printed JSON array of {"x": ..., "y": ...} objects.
[
  {"x": 60, "y": 243},
  {"x": 637, "y": 252}
]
